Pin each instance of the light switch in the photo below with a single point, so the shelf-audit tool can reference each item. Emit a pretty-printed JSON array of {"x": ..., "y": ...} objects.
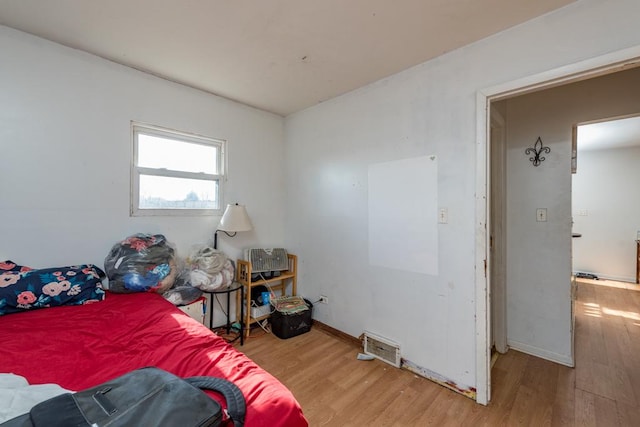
[
  {"x": 443, "y": 216},
  {"x": 541, "y": 214}
]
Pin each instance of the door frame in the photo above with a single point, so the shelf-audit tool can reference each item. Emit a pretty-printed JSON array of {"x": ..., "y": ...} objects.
[{"x": 592, "y": 67}]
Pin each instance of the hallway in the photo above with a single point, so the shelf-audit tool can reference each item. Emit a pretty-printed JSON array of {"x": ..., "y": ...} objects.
[
  {"x": 607, "y": 337},
  {"x": 604, "y": 387}
]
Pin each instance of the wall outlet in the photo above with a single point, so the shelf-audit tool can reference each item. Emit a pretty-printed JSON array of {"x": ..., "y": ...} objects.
[{"x": 324, "y": 299}]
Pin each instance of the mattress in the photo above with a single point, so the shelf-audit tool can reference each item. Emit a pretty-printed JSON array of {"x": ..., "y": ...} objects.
[{"x": 82, "y": 346}]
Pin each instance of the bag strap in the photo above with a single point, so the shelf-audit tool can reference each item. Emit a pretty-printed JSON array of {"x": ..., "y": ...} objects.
[{"x": 236, "y": 406}]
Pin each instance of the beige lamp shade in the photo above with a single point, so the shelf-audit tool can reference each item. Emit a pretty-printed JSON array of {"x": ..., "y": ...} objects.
[{"x": 234, "y": 219}]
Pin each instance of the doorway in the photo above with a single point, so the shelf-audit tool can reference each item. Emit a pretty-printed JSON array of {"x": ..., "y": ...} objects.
[
  {"x": 495, "y": 301},
  {"x": 605, "y": 215}
]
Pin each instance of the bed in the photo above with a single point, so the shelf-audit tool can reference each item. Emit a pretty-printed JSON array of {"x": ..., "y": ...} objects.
[{"x": 80, "y": 346}]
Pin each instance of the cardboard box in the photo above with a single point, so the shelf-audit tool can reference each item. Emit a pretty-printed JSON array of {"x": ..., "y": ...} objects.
[{"x": 196, "y": 309}]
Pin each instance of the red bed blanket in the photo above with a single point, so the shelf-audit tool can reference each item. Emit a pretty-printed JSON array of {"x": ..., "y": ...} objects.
[{"x": 81, "y": 346}]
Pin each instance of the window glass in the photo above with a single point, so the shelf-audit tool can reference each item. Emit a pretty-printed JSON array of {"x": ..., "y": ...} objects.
[
  {"x": 158, "y": 152},
  {"x": 160, "y": 192},
  {"x": 175, "y": 173}
]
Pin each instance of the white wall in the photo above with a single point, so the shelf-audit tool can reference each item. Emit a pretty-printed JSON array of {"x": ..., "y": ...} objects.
[
  {"x": 429, "y": 109},
  {"x": 606, "y": 187},
  {"x": 539, "y": 253},
  {"x": 66, "y": 149}
]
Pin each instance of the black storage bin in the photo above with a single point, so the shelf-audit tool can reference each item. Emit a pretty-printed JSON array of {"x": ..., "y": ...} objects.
[{"x": 290, "y": 325}]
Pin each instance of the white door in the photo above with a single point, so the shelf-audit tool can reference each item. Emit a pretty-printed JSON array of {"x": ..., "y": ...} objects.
[{"x": 497, "y": 233}]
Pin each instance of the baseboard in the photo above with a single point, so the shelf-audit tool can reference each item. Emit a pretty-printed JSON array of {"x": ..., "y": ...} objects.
[
  {"x": 338, "y": 333},
  {"x": 466, "y": 391},
  {"x": 626, "y": 279},
  {"x": 541, "y": 353}
]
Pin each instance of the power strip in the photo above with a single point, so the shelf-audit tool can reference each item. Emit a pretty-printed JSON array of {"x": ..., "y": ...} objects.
[{"x": 260, "y": 311}]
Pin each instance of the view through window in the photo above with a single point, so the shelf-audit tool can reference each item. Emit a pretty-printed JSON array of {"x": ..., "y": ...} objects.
[{"x": 175, "y": 172}]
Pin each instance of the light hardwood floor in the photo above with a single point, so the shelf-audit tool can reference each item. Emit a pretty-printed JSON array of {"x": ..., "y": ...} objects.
[{"x": 335, "y": 389}]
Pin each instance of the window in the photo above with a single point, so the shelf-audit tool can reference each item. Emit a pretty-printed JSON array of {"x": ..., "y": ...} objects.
[{"x": 175, "y": 172}]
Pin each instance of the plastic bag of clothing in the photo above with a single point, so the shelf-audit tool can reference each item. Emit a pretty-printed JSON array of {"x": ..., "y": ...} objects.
[
  {"x": 182, "y": 292},
  {"x": 182, "y": 295},
  {"x": 141, "y": 263},
  {"x": 210, "y": 269}
]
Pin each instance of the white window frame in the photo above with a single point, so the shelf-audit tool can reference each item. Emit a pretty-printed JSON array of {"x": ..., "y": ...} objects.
[{"x": 147, "y": 129}]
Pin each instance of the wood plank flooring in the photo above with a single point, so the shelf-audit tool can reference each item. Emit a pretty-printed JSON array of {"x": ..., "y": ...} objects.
[{"x": 335, "y": 389}]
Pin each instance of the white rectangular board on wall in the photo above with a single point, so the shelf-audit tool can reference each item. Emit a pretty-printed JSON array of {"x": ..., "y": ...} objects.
[{"x": 403, "y": 214}]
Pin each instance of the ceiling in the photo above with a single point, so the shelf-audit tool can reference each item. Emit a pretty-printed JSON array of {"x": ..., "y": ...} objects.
[
  {"x": 278, "y": 55},
  {"x": 618, "y": 133}
]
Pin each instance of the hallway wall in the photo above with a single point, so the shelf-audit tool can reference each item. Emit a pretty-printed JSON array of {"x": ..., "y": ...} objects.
[{"x": 606, "y": 211}]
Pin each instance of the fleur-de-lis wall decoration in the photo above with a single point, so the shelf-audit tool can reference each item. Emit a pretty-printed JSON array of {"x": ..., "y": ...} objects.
[{"x": 537, "y": 149}]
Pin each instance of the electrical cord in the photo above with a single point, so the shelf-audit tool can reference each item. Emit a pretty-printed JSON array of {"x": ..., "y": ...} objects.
[
  {"x": 220, "y": 305},
  {"x": 264, "y": 325},
  {"x": 264, "y": 322}
]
